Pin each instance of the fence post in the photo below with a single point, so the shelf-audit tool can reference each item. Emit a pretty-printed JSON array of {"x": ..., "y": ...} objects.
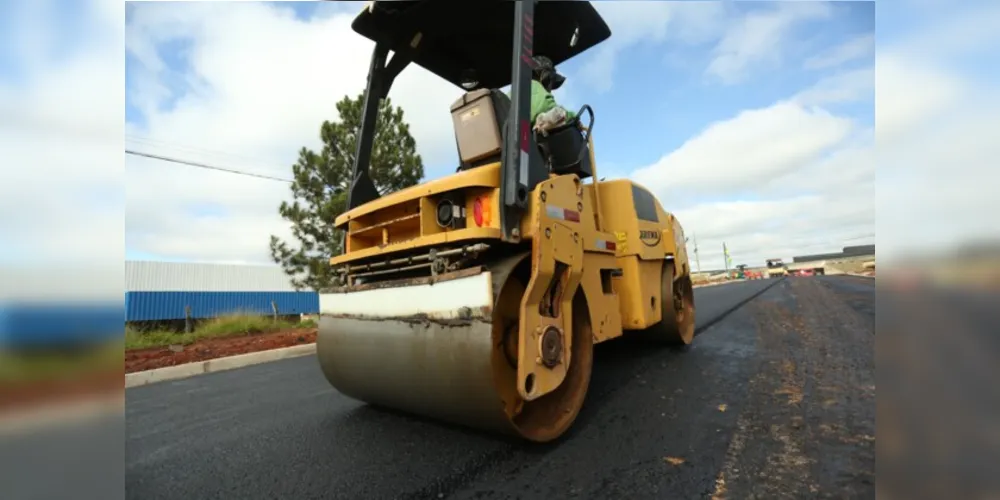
[
  {"x": 274, "y": 309},
  {"x": 188, "y": 324}
]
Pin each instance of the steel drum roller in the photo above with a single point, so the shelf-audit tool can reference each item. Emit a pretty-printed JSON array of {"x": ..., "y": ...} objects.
[{"x": 438, "y": 350}]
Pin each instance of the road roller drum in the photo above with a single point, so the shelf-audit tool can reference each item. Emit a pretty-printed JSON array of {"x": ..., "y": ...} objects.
[{"x": 442, "y": 354}]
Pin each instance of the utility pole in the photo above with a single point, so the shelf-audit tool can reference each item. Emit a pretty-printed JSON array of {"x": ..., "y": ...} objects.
[
  {"x": 725, "y": 256},
  {"x": 697, "y": 261}
]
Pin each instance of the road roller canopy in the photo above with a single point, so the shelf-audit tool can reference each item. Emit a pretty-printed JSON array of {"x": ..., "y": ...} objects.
[
  {"x": 477, "y": 45},
  {"x": 470, "y": 44}
]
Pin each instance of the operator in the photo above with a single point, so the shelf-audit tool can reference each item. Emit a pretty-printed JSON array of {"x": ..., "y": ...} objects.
[{"x": 545, "y": 112}]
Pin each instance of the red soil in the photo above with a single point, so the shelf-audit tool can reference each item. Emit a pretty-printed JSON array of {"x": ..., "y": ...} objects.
[
  {"x": 109, "y": 382},
  {"x": 158, "y": 357},
  {"x": 70, "y": 389}
]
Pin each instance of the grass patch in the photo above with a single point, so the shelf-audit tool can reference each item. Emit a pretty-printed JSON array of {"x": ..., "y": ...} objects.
[
  {"x": 21, "y": 367},
  {"x": 226, "y": 326}
]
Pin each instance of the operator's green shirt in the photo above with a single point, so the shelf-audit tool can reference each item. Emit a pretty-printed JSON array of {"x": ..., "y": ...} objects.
[{"x": 542, "y": 101}]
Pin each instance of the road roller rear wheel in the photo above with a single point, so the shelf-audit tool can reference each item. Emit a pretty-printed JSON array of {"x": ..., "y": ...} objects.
[
  {"x": 683, "y": 300},
  {"x": 677, "y": 311},
  {"x": 550, "y": 416}
]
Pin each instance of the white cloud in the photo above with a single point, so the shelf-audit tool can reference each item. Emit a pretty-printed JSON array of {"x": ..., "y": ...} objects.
[
  {"x": 757, "y": 40},
  {"x": 850, "y": 86},
  {"x": 936, "y": 160},
  {"x": 784, "y": 227},
  {"x": 940, "y": 30},
  {"x": 937, "y": 157},
  {"x": 752, "y": 147},
  {"x": 913, "y": 92},
  {"x": 636, "y": 22},
  {"x": 818, "y": 207},
  {"x": 60, "y": 187},
  {"x": 259, "y": 97},
  {"x": 263, "y": 97},
  {"x": 937, "y": 104},
  {"x": 788, "y": 179},
  {"x": 856, "y": 48},
  {"x": 848, "y": 170}
]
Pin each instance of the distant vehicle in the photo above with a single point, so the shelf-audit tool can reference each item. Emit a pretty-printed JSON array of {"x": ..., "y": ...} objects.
[
  {"x": 806, "y": 271},
  {"x": 747, "y": 273},
  {"x": 741, "y": 271},
  {"x": 776, "y": 268}
]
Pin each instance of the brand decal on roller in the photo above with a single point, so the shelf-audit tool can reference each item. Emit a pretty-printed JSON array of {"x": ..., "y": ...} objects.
[{"x": 649, "y": 238}]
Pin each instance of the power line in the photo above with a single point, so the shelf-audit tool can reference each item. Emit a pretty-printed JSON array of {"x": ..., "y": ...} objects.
[
  {"x": 382, "y": 191},
  {"x": 203, "y": 165},
  {"x": 158, "y": 143}
]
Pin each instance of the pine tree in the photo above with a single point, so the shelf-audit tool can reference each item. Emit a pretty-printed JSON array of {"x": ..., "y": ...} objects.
[{"x": 322, "y": 180}]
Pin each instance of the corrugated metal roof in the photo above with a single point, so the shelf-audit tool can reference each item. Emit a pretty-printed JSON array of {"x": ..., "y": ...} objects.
[{"x": 146, "y": 276}]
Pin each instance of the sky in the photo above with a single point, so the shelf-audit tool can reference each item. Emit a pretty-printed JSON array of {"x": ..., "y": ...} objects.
[{"x": 753, "y": 122}]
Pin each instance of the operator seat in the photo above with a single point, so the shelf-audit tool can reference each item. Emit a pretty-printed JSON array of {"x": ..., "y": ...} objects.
[
  {"x": 480, "y": 119},
  {"x": 566, "y": 149}
]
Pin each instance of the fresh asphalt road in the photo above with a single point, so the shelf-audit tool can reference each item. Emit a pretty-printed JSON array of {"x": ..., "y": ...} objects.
[{"x": 775, "y": 398}]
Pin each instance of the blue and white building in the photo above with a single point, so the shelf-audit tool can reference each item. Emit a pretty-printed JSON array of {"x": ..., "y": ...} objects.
[
  {"x": 60, "y": 305},
  {"x": 158, "y": 291}
]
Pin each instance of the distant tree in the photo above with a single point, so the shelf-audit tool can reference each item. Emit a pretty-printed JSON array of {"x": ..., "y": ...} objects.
[{"x": 322, "y": 180}]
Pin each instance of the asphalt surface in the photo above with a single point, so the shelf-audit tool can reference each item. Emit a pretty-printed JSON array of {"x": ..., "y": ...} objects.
[
  {"x": 82, "y": 461},
  {"x": 774, "y": 399},
  {"x": 939, "y": 407}
]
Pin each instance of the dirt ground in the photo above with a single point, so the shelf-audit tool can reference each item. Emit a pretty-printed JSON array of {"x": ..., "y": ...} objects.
[
  {"x": 158, "y": 357},
  {"x": 67, "y": 389},
  {"x": 82, "y": 386}
]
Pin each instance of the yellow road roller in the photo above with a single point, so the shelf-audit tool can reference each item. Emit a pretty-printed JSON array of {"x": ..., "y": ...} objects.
[{"x": 477, "y": 298}]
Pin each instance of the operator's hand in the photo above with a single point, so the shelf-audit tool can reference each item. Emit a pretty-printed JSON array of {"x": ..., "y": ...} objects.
[{"x": 549, "y": 120}]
